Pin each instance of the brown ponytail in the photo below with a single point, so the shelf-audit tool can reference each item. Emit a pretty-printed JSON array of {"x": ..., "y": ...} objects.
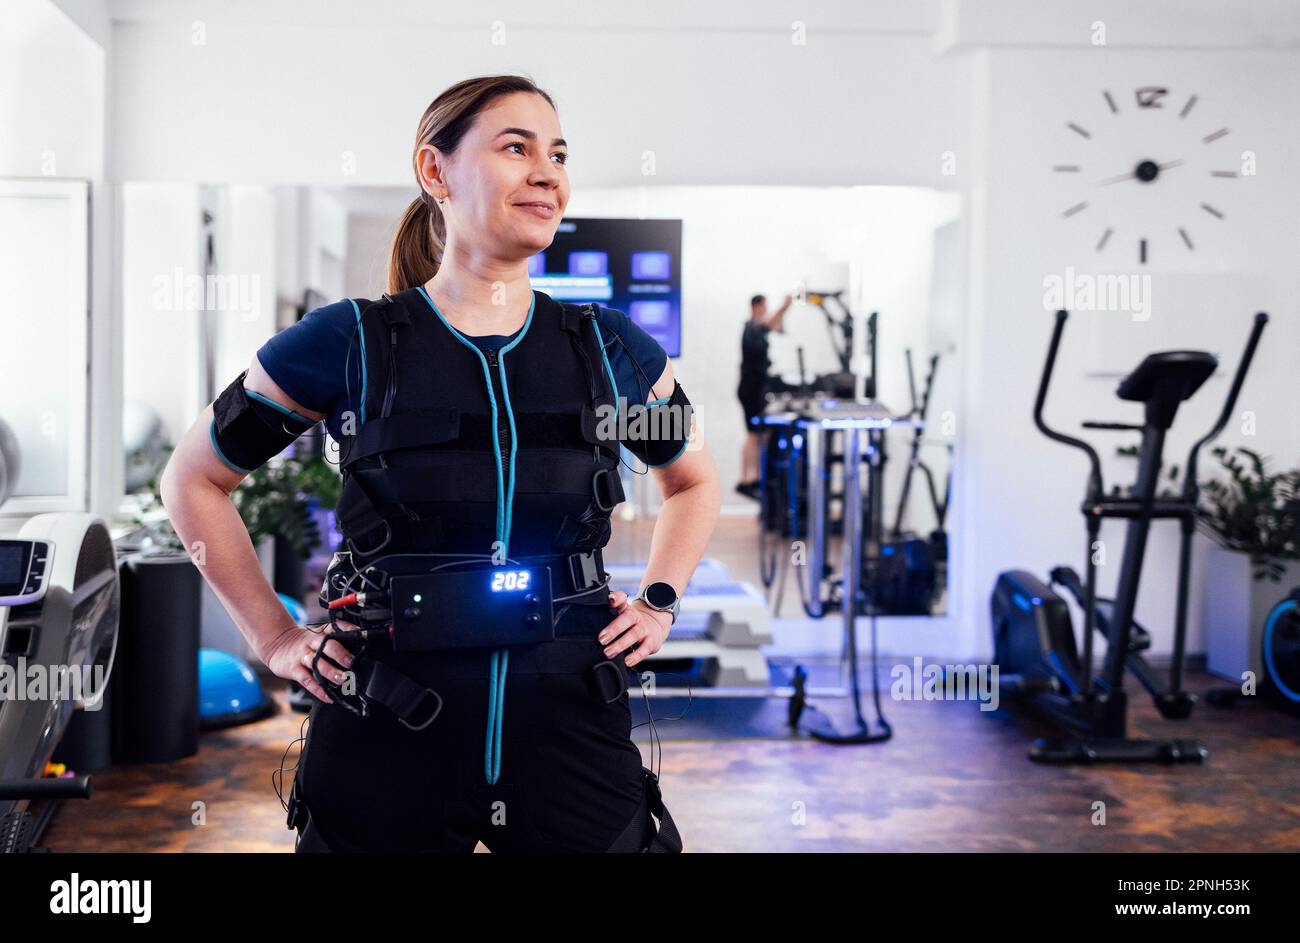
[{"x": 421, "y": 233}]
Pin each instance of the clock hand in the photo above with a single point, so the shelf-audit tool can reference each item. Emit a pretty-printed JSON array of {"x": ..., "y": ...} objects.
[
  {"x": 1148, "y": 168},
  {"x": 1128, "y": 176}
]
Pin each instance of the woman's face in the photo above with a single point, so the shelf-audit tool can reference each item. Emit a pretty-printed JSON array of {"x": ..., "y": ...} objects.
[{"x": 512, "y": 155}]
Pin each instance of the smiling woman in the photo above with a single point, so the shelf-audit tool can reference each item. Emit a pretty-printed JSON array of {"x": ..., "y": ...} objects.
[
  {"x": 465, "y": 414},
  {"x": 481, "y": 166}
]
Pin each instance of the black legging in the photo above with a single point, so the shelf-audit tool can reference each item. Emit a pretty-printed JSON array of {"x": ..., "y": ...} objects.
[{"x": 570, "y": 777}]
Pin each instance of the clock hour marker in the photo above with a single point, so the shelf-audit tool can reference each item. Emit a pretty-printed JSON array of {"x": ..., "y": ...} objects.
[
  {"x": 1149, "y": 96},
  {"x": 1104, "y": 237},
  {"x": 1142, "y": 251},
  {"x": 1078, "y": 207},
  {"x": 1215, "y": 136},
  {"x": 1223, "y": 173},
  {"x": 1114, "y": 110},
  {"x": 1078, "y": 130},
  {"x": 1188, "y": 107},
  {"x": 1211, "y": 210},
  {"x": 1187, "y": 240},
  {"x": 1066, "y": 168}
]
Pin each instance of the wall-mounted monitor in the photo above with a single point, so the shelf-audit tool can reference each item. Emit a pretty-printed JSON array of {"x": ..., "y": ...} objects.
[{"x": 634, "y": 265}]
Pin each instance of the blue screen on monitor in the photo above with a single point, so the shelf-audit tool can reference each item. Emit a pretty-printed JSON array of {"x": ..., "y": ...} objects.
[{"x": 633, "y": 265}]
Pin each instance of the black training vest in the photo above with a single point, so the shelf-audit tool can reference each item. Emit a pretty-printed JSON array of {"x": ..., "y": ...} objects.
[{"x": 457, "y": 448}]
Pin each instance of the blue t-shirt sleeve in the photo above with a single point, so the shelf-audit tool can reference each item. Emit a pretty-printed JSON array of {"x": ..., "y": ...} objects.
[
  {"x": 636, "y": 359},
  {"x": 317, "y": 360}
]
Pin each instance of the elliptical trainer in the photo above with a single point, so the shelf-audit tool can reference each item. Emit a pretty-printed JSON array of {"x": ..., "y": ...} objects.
[{"x": 1033, "y": 639}]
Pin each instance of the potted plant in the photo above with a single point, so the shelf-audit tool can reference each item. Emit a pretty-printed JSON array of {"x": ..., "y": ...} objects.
[{"x": 1253, "y": 521}]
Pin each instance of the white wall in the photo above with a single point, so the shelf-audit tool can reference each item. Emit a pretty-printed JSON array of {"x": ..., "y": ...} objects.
[
  {"x": 54, "y": 85},
  {"x": 330, "y": 93},
  {"x": 246, "y": 259},
  {"x": 1021, "y": 492},
  {"x": 160, "y": 349},
  {"x": 163, "y": 257}
]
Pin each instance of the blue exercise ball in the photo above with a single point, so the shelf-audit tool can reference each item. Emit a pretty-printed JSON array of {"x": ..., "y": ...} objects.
[{"x": 229, "y": 691}]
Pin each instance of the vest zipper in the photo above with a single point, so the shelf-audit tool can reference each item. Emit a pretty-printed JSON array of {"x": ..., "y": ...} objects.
[{"x": 503, "y": 422}]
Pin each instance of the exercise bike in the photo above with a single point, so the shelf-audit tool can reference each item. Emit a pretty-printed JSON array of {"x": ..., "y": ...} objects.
[
  {"x": 1033, "y": 638},
  {"x": 59, "y": 602}
]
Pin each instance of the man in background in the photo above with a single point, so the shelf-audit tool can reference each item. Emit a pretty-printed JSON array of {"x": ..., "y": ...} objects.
[{"x": 754, "y": 364}]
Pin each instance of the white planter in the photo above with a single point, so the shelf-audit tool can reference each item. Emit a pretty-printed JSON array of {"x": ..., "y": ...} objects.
[
  {"x": 1235, "y": 607},
  {"x": 218, "y": 629}
]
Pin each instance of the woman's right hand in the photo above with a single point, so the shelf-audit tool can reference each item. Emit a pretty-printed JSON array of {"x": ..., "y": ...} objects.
[{"x": 290, "y": 654}]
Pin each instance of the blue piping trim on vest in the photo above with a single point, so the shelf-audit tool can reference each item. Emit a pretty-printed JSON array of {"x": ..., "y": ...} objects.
[
  {"x": 514, "y": 438},
  {"x": 608, "y": 369},
  {"x": 500, "y": 662},
  {"x": 212, "y": 432},
  {"x": 362, "y": 335},
  {"x": 659, "y": 402},
  {"x": 284, "y": 409}
]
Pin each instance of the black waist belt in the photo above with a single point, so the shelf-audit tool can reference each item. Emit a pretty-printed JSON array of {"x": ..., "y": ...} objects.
[
  {"x": 585, "y": 579},
  {"x": 484, "y": 607}
]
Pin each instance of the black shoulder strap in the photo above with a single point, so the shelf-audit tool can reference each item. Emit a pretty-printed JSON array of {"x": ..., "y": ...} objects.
[
  {"x": 572, "y": 316},
  {"x": 393, "y": 312}
]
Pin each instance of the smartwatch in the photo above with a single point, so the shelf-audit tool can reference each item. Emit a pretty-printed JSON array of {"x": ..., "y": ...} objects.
[{"x": 660, "y": 596}]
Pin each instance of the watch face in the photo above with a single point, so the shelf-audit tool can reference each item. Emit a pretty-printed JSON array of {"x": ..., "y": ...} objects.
[{"x": 660, "y": 595}]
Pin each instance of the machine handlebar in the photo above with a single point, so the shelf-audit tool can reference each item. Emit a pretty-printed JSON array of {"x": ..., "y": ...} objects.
[
  {"x": 73, "y": 787},
  {"x": 1094, "y": 478},
  {"x": 1190, "y": 487},
  {"x": 1094, "y": 474}
]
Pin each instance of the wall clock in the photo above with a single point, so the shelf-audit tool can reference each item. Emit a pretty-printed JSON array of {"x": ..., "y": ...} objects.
[{"x": 1127, "y": 155}]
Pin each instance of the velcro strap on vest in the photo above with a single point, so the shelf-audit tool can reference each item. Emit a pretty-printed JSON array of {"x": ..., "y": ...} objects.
[
  {"x": 450, "y": 428},
  {"x": 414, "y": 704},
  {"x": 408, "y": 431},
  {"x": 477, "y": 481}
]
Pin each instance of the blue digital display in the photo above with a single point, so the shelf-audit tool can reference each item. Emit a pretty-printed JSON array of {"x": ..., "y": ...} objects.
[{"x": 510, "y": 581}]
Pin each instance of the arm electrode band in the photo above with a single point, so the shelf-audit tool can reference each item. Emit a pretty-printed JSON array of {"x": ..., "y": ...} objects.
[
  {"x": 658, "y": 432},
  {"x": 248, "y": 429}
]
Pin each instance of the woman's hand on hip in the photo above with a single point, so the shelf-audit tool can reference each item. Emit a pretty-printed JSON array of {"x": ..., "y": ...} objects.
[
  {"x": 638, "y": 630},
  {"x": 290, "y": 654}
]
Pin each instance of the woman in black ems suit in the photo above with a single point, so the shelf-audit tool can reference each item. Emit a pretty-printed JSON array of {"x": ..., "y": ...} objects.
[{"x": 474, "y": 449}]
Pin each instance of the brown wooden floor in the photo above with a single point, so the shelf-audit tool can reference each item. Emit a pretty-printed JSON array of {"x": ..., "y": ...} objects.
[{"x": 952, "y": 779}]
